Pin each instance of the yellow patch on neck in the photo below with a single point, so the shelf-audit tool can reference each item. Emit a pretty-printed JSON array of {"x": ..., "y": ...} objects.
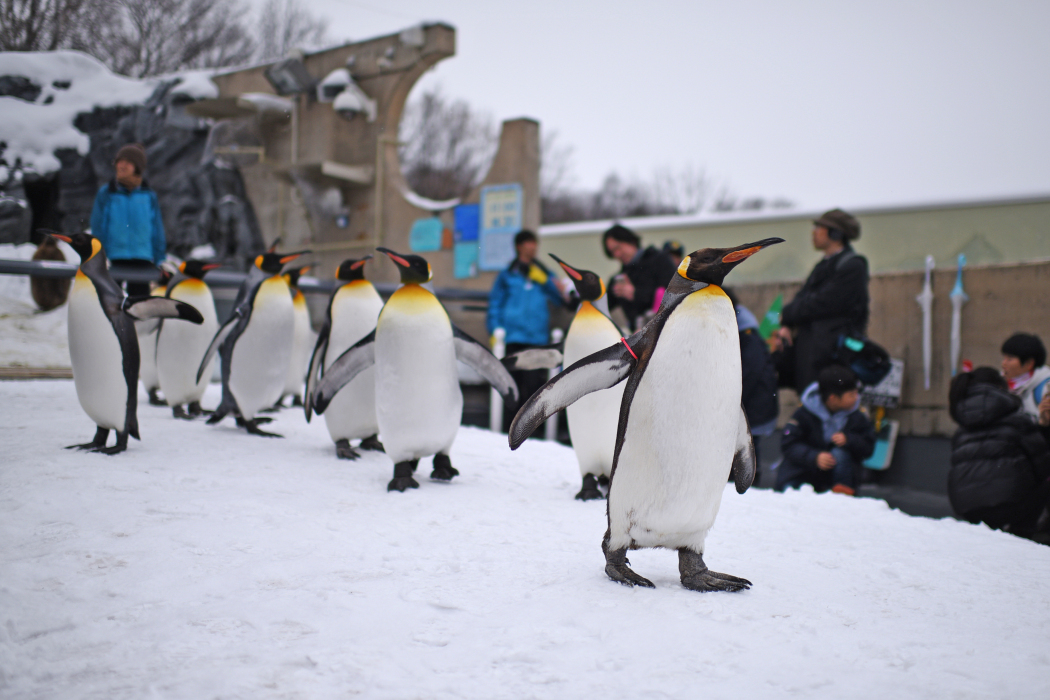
[
  {"x": 96, "y": 247},
  {"x": 412, "y": 298},
  {"x": 684, "y": 267}
]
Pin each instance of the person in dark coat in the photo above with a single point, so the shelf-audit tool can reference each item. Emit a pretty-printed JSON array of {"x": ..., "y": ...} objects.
[
  {"x": 1000, "y": 460},
  {"x": 828, "y": 437},
  {"x": 832, "y": 302},
  {"x": 638, "y": 288}
]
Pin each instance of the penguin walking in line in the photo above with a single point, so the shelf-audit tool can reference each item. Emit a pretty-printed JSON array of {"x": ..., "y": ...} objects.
[
  {"x": 255, "y": 346},
  {"x": 682, "y": 430},
  {"x": 103, "y": 346},
  {"x": 353, "y": 310},
  {"x": 147, "y": 335},
  {"x": 179, "y": 345},
  {"x": 301, "y": 341},
  {"x": 414, "y": 349}
]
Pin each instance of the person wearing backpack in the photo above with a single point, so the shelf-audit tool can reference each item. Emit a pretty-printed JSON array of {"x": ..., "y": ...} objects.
[{"x": 833, "y": 302}]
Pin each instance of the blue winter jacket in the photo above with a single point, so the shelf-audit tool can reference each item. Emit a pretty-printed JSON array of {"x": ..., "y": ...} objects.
[
  {"x": 128, "y": 223},
  {"x": 518, "y": 304}
]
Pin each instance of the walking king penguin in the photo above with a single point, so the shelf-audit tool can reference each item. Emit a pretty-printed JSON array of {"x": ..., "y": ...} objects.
[
  {"x": 179, "y": 346},
  {"x": 593, "y": 418},
  {"x": 353, "y": 310},
  {"x": 147, "y": 334},
  {"x": 103, "y": 346},
  {"x": 255, "y": 346},
  {"x": 682, "y": 430},
  {"x": 301, "y": 340},
  {"x": 414, "y": 348}
]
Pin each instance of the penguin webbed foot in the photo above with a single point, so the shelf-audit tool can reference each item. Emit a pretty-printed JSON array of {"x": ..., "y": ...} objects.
[
  {"x": 403, "y": 477},
  {"x": 616, "y": 567},
  {"x": 443, "y": 469},
  {"x": 297, "y": 401},
  {"x": 155, "y": 400},
  {"x": 101, "y": 435},
  {"x": 372, "y": 443},
  {"x": 253, "y": 428},
  {"x": 180, "y": 412},
  {"x": 195, "y": 409},
  {"x": 697, "y": 577},
  {"x": 258, "y": 420},
  {"x": 343, "y": 450},
  {"x": 589, "y": 490}
]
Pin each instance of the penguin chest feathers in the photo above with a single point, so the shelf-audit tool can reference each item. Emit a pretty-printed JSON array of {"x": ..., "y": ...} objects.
[{"x": 97, "y": 357}]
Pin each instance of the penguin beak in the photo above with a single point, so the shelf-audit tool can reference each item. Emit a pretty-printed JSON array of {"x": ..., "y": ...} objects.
[
  {"x": 60, "y": 237},
  {"x": 398, "y": 260},
  {"x": 210, "y": 266},
  {"x": 360, "y": 263},
  {"x": 292, "y": 256},
  {"x": 273, "y": 248},
  {"x": 570, "y": 271},
  {"x": 743, "y": 252}
]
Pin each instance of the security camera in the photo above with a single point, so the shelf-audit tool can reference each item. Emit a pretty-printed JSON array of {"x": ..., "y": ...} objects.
[{"x": 353, "y": 101}]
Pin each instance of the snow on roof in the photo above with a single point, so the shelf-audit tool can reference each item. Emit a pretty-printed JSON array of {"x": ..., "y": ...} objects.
[
  {"x": 196, "y": 85},
  {"x": 71, "y": 82},
  {"x": 340, "y": 76},
  {"x": 265, "y": 102}
]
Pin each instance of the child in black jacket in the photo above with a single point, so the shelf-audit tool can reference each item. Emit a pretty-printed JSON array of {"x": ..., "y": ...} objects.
[
  {"x": 1000, "y": 461},
  {"x": 828, "y": 437}
]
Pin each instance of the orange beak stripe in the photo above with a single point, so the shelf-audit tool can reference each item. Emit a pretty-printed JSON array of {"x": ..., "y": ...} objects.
[
  {"x": 60, "y": 237},
  {"x": 358, "y": 264},
  {"x": 399, "y": 260},
  {"x": 288, "y": 258},
  {"x": 211, "y": 266},
  {"x": 738, "y": 255},
  {"x": 571, "y": 272}
]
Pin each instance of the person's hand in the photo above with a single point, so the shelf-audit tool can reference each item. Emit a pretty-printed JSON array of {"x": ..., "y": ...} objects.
[
  {"x": 826, "y": 461},
  {"x": 784, "y": 334},
  {"x": 623, "y": 288},
  {"x": 839, "y": 439},
  {"x": 1044, "y": 410}
]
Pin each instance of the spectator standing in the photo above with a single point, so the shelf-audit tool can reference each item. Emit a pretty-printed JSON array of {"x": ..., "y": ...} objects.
[
  {"x": 645, "y": 273},
  {"x": 1000, "y": 461},
  {"x": 675, "y": 251},
  {"x": 518, "y": 304},
  {"x": 828, "y": 437},
  {"x": 832, "y": 302},
  {"x": 126, "y": 218},
  {"x": 1024, "y": 368}
]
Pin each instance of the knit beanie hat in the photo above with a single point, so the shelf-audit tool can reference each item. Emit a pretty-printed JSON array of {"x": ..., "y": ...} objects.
[
  {"x": 837, "y": 220},
  {"x": 135, "y": 154}
]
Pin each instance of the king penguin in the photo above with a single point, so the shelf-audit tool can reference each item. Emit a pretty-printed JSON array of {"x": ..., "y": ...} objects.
[
  {"x": 179, "y": 345},
  {"x": 103, "y": 346},
  {"x": 353, "y": 310},
  {"x": 255, "y": 346},
  {"x": 414, "y": 349},
  {"x": 592, "y": 419},
  {"x": 682, "y": 430},
  {"x": 301, "y": 340},
  {"x": 147, "y": 335}
]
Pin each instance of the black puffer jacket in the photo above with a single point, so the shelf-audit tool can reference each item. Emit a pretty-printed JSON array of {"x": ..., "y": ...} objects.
[
  {"x": 998, "y": 453},
  {"x": 651, "y": 271}
]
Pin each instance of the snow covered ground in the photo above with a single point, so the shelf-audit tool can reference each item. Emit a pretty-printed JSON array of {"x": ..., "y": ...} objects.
[
  {"x": 29, "y": 337},
  {"x": 207, "y": 563}
]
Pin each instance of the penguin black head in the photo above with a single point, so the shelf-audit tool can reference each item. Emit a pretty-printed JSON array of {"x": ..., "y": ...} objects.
[
  {"x": 273, "y": 262},
  {"x": 711, "y": 265},
  {"x": 293, "y": 275},
  {"x": 414, "y": 269},
  {"x": 588, "y": 285},
  {"x": 196, "y": 268},
  {"x": 85, "y": 245},
  {"x": 352, "y": 269}
]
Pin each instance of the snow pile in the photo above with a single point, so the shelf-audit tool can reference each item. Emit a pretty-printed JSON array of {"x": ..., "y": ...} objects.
[
  {"x": 196, "y": 84},
  {"x": 71, "y": 82},
  {"x": 29, "y": 337},
  {"x": 208, "y": 563}
]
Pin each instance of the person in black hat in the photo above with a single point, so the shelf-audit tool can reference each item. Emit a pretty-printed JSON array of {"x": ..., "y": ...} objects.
[
  {"x": 638, "y": 288},
  {"x": 126, "y": 218},
  {"x": 832, "y": 302}
]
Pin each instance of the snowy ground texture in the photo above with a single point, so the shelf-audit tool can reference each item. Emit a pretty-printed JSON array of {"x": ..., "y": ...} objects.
[{"x": 207, "y": 563}]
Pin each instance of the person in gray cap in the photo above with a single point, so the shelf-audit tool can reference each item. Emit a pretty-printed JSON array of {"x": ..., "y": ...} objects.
[
  {"x": 833, "y": 302},
  {"x": 126, "y": 218}
]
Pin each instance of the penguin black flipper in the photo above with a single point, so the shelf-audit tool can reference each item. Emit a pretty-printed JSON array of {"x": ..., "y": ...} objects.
[
  {"x": 145, "y": 308},
  {"x": 316, "y": 363},
  {"x": 744, "y": 467},
  {"x": 546, "y": 357},
  {"x": 220, "y": 336},
  {"x": 478, "y": 357},
  {"x": 357, "y": 358},
  {"x": 595, "y": 372}
]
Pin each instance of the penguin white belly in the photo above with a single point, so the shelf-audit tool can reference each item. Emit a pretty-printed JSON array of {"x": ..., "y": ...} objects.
[
  {"x": 148, "y": 349},
  {"x": 418, "y": 400},
  {"x": 681, "y": 434},
  {"x": 180, "y": 346},
  {"x": 259, "y": 361},
  {"x": 593, "y": 419},
  {"x": 98, "y": 362},
  {"x": 352, "y": 412},
  {"x": 301, "y": 346}
]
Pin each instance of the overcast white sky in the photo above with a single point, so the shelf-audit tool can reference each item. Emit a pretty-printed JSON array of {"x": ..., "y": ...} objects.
[{"x": 825, "y": 103}]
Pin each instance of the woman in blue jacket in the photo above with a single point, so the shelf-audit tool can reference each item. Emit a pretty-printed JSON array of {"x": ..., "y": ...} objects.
[{"x": 126, "y": 218}]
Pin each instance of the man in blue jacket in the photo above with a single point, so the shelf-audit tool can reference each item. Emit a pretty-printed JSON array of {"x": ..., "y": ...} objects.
[
  {"x": 518, "y": 304},
  {"x": 126, "y": 218}
]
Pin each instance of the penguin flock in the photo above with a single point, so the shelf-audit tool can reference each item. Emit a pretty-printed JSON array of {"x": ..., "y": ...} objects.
[{"x": 655, "y": 418}]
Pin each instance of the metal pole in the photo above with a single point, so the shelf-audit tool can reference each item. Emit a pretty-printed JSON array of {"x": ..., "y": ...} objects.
[
  {"x": 495, "y": 400},
  {"x": 550, "y": 428}
]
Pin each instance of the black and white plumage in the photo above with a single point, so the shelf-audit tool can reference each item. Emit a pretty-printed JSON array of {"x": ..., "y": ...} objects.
[
  {"x": 103, "y": 344},
  {"x": 681, "y": 429}
]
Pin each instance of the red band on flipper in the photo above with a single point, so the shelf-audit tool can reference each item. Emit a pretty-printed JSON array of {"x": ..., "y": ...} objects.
[{"x": 624, "y": 341}]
